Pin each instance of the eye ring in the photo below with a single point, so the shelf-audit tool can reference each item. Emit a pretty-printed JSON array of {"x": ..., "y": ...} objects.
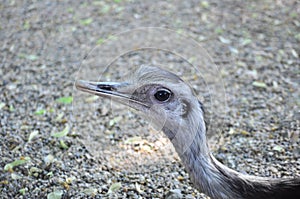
[{"x": 162, "y": 95}]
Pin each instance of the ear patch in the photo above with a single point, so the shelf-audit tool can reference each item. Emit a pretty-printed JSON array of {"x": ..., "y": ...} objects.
[{"x": 185, "y": 108}]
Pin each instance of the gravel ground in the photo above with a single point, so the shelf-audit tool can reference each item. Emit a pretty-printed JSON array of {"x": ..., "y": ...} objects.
[{"x": 112, "y": 153}]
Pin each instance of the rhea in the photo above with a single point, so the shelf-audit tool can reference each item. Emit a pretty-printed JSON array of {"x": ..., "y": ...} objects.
[{"x": 166, "y": 100}]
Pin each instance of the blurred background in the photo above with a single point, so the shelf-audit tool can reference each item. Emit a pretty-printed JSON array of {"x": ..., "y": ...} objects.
[{"x": 56, "y": 141}]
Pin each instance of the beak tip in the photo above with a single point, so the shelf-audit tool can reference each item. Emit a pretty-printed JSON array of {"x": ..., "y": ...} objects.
[{"x": 81, "y": 84}]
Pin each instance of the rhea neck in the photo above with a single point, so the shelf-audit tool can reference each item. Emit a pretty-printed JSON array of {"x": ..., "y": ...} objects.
[
  {"x": 196, "y": 155},
  {"x": 215, "y": 179}
]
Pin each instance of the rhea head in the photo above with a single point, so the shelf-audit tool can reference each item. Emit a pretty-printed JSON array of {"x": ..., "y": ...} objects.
[{"x": 161, "y": 97}]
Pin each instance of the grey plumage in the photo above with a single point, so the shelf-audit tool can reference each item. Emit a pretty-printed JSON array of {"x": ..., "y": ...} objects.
[{"x": 166, "y": 99}]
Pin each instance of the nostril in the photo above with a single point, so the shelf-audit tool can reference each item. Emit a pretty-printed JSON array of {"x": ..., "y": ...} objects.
[{"x": 106, "y": 87}]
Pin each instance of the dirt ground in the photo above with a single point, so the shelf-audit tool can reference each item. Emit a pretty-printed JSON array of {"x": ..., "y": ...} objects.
[{"x": 56, "y": 141}]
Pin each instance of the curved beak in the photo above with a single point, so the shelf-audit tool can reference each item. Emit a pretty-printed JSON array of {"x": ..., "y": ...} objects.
[{"x": 120, "y": 92}]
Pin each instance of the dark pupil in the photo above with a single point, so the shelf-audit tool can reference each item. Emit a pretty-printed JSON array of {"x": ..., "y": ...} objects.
[{"x": 162, "y": 95}]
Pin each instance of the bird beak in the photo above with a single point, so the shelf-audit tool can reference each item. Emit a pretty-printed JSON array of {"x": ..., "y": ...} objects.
[{"x": 120, "y": 92}]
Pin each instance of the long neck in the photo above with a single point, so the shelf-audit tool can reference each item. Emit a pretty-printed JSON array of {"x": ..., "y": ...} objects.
[{"x": 220, "y": 182}]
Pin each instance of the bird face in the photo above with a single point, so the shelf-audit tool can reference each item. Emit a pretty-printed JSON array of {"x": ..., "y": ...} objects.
[{"x": 160, "y": 96}]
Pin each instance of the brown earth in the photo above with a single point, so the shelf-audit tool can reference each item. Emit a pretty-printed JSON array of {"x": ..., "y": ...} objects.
[{"x": 45, "y": 43}]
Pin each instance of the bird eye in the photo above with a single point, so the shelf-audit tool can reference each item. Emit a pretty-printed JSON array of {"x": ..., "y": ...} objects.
[{"x": 162, "y": 95}]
